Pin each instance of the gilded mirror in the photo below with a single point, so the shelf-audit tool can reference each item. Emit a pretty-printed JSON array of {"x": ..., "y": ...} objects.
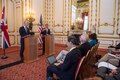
[{"x": 80, "y": 9}]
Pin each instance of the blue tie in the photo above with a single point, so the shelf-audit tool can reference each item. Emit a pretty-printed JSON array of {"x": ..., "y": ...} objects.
[{"x": 26, "y": 30}]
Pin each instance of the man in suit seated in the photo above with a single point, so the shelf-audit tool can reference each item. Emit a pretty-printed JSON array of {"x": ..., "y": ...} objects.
[
  {"x": 66, "y": 69},
  {"x": 84, "y": 44},
  {"x": 24, "y": 32}
]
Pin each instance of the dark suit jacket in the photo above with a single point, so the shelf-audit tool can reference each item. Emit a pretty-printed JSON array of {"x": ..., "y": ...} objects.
[
  {"x": 68, "y": 68},
  {"x": 84, "y": 48},
  {"x": 23, "y": 32},
  {"x": 118, "y": 46},
  {"x": 45, "y": 32}
]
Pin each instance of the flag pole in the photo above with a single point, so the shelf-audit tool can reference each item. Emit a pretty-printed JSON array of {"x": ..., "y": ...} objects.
[{"x": 4, "y": 56}]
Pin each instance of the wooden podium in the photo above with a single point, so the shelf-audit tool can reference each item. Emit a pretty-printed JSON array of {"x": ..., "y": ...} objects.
[
  {"x": 30, "y": 50},
  {"x": 49, "y": 44}
]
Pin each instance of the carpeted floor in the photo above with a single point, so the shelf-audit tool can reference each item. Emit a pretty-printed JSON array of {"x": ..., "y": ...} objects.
[{"x": 31, "y": 71}]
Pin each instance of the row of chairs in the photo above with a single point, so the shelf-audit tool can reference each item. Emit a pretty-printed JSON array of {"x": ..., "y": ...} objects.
[{"x": 85, "y": 59}]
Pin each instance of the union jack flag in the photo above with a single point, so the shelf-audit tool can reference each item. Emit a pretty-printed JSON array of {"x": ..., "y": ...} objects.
[
  {"x": 4, "y": 28},
  {"x": 40, "y": 30}
]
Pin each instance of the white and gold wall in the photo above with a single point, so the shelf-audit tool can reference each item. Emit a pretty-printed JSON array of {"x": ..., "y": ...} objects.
[
  {"x": 13, "y": 12},
  {"x": 104, "y": 15},
  {"x": 57, "y": 15},
  {"x": 104, "y": 20}
]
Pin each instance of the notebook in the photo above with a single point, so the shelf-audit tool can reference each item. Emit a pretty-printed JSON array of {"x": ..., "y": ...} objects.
[{"x": 51, "y": 59}]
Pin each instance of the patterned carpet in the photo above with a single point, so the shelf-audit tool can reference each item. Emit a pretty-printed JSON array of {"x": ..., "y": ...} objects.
[{"x": 31, "y": 71}]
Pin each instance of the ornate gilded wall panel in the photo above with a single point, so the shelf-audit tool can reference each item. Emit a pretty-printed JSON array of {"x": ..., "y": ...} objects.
[
  {"x": 18, "y": 39},
  {"x": 105, "y": 42},
  {"x": 37, "y": 8},
  {"x": 93, "y": 15},
  {"x": 106, "y": 16},
  {"x": 12, "y": 39},
  {"x": 18, "y": 18},
  {"x": 60, "y": 39},
  {"x": 11, "y": 16},
  {"x": 59, "y": 16},
  {"x": 49, "y": 13},
  {"x": 118, "y": 18}
]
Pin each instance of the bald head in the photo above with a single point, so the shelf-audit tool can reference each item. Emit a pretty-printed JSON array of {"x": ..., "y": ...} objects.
[{"x": 84, "y": 38}]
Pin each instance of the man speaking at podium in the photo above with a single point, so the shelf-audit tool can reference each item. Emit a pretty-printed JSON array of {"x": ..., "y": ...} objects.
[
  {"x": 24, "y": 32},
  {"x": 45, "y": 31}
]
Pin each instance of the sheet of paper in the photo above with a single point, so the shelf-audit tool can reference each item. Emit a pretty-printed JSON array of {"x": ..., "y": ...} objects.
[{"x": 107, "y": 65}]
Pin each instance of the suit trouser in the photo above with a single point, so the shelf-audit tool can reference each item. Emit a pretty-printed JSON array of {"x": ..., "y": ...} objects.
[
  {"x": 52, "y": 69},
  {"x": 102, "y": 71},
  {"x": 43, "y": 49},
  {"x": 109, "y": 78},
  {"x": 22, "y": 48}
]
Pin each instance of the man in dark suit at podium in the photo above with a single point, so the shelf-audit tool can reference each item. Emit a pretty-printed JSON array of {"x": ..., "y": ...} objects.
[
  {"x": 45, "y": 31},
  {"x": 24, "y": 32}
]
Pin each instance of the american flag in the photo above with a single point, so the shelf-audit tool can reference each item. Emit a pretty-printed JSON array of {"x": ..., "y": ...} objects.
[
  {"x": 40, "y": 30},
  {"x": 4, "y": 28}
]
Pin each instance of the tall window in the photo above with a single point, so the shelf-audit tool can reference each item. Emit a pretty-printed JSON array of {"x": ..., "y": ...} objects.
[
  {"x": 73, "y": 14},
  {"x": 85, "y": 23}
]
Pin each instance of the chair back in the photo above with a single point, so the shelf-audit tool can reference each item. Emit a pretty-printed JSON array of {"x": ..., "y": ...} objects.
[
  {"x": 86, "y": 57},
  {"x": 80, "y": 62},
  {"x": 87, "y": 54},
  {"x": 93, "y": 51},
  {"x": 96, "y": 47}
]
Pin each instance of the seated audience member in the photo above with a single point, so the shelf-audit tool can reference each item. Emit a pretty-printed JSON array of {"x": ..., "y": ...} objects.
[
  {"x": 84, "y": 44},
  {"x": 113, "y": 58},
  {"x": 66, "y": 70},
  {"x": 84, "y": 47},
  {"x": 116, "y": 47},
  {"x": 106, "y": 71},
  {"x": 93, "y": 39}
]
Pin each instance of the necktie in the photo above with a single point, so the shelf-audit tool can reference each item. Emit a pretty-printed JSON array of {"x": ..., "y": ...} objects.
[{"x": 26, "y": 30}]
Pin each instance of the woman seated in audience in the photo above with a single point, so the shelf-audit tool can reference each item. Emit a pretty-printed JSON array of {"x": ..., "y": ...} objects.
[{"x": 93, "y": 39}]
